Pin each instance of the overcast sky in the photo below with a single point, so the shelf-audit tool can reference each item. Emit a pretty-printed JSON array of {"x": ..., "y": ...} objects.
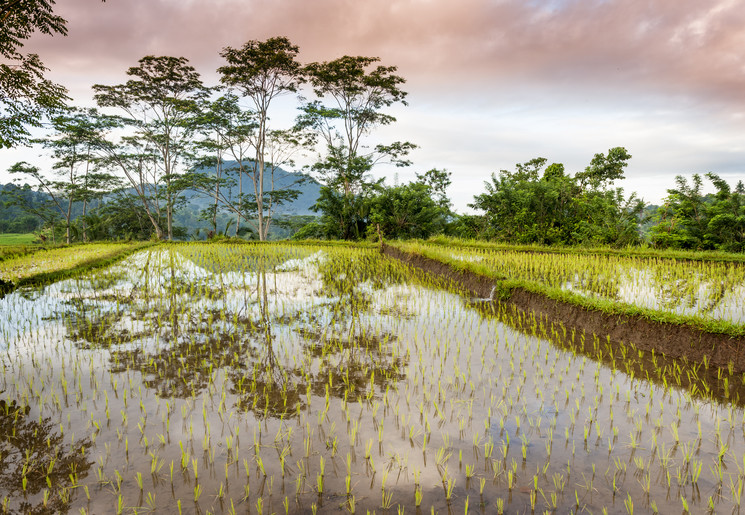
[{"x": 491, "y": 82}]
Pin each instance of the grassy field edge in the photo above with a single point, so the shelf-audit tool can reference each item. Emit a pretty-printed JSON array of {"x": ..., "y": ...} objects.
[
  {"x": 64, "y": 273},
  {"x": 635, "y": 252},
  {"x": 504, "y": 285}
]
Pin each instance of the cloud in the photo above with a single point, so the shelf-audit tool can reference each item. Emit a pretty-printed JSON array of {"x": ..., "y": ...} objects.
[
  {"x": 680, "y": 47},
  {"x": 491, "y": 82}
]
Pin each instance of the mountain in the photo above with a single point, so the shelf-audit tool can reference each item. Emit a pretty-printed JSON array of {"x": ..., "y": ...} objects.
[
  {"x": 309, "y": 189},
  {"x": 15, "y": 219}
]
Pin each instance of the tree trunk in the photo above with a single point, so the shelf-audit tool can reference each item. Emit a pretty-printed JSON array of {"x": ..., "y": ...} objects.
[
  {"x": 260, "y": 190},
  {"x": 85, "y": 226},
  {"x": 67, "y": 219},
  {"x": 240, "y": 196},
  {"x": 169, "y": 213},
  {"x": 218, "y": 173}
]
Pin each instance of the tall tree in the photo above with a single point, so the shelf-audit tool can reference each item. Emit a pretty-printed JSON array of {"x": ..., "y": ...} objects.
[
  {"x": 232, "y": 132},
  {"x": 160, "y": 102},
  {"x": 357, "y": 93},
  {"x": 26, "y": 97},
  {"x": 71, "y": 148},
  {"x": 262, "y": 71}
]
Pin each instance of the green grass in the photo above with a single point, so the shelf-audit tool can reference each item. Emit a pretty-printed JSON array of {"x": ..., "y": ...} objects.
[
  {"x": 18, "y": 239},
  {"x": 57, "y": 263}
]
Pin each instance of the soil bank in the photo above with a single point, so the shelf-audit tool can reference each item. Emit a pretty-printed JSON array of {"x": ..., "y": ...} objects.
[{"x": 673, "y": 340}]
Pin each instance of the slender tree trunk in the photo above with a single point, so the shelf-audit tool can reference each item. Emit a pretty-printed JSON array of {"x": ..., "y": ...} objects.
[
  {"x": 85, "y": 226},
  {"x": 68, "y": 216},
  {"x": 218, "y": 173},
  {"x": 169, "y": 215},
  {"x": 240, "y": 196},
  {"x": 85, "y": 195},
  {"x": 260, "y": 186}
]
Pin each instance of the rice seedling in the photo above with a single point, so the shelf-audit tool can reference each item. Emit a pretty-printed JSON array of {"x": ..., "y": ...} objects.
[
  {"x": 711, "y": 290},
  {"x": 239, "y": 368}
]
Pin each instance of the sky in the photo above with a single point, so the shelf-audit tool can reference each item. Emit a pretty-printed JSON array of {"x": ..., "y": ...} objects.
[{"x": 490, "y": 83}]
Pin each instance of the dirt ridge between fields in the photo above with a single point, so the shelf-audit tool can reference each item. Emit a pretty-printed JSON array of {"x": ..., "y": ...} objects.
[{"x": 673, "y": 340}]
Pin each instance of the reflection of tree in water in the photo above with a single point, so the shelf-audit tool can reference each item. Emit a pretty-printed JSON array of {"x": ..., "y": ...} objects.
[
  {"x": 32, "y": 450},
  {"x": 348, "y": 365},
  {"x": 194, "y": 343},
  {"x": 264, "y": 386},
  {"x": 354, "y": 364},
  {"x": 353, "y": 359},
  {"x": 185, "y": 369}
]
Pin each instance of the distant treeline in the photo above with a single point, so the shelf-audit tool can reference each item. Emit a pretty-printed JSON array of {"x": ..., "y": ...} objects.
[
  {"x": 542, "y": 204},
  {"x": 534, "y": 204}
]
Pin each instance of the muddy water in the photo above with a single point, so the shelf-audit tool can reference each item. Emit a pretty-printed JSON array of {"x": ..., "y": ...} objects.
[{"x": 221, "y": 380}]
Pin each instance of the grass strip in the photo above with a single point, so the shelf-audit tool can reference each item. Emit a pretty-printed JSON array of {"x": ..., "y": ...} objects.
[
  {"x": 308, "y": 243},
  {"x": 73, "y": 267},
  {"x": 15, "y": 251}
]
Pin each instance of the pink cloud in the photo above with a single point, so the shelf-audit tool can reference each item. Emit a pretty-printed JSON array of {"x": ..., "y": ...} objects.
[
  {"x": 674, "y": 46},
  {"x": 491, "y": 82}
]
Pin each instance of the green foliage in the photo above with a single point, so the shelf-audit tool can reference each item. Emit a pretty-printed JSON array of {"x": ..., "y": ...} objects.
[
  {"x": 161, "y": 102},
  {"x": 472, "y": 227},
  {"x": 310, "y": 231},
  {"x": 262, "y": 71},
  {"x": 355, "y": 94},
  {"x": 345, "y": 216},
  {"x": 416, "y": 210},
  {"x": 14, "y": 218},
  {"x": 26, "y": 97},
  {"x": 688, "y": 219},
  {"x": 122, "y": 216},
  {"x": 533, "y": 205}
]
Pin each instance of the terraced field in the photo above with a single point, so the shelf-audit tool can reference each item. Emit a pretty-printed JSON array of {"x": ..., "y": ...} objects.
[{"x": 274, "y": 378}]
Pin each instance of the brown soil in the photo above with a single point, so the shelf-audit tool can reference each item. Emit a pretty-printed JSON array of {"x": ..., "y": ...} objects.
[{"x": 673, "y": 340}]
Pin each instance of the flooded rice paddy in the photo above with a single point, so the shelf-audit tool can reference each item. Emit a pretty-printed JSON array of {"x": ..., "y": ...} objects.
[
  {"x": 299, "y": 379},
  {"x": 705, "y": 289}
]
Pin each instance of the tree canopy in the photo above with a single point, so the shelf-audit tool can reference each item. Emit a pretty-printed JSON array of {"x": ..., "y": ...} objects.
[
  {"x": 539, "y": 204},
  {"x": 26, "y": 96}
]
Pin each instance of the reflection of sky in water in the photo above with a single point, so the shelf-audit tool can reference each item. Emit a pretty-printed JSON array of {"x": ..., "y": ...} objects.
[
  {"x": 424, "y": 348},
  {"x": 293, "y": 284},
  {"x": 641, "y": 288}
]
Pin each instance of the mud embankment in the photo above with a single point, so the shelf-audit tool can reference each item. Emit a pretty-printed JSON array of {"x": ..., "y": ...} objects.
[{"x": 673, "y": 340}]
